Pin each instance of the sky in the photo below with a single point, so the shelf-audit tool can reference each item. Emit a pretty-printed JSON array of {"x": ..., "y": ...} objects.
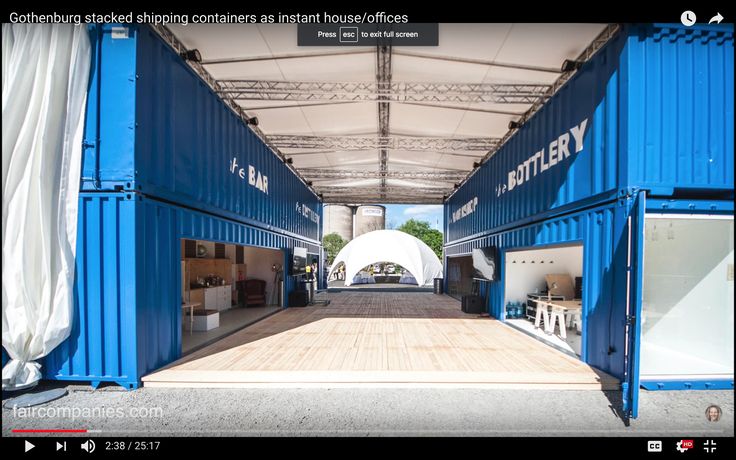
[{"x": 397, "y": 214}]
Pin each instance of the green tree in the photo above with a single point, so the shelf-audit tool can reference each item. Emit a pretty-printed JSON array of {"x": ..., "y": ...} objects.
[
  {"x": 333, "y": 243},
  {"x": 422, "y": 230}
]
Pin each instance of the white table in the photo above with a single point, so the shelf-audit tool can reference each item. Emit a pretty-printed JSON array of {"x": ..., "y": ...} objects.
[{"x": 190, "y": 306}]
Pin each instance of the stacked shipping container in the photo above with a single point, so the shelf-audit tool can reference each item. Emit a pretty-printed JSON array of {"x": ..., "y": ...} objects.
[
  {"x": 646, "y": 124},
  {"x": 164, "y": 159}
]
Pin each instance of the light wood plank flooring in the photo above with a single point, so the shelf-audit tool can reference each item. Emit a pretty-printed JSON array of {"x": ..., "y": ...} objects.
[{"x": 380, "y": 339}]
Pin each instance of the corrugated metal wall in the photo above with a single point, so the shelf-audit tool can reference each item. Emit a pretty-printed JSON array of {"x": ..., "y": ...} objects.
[
  {"x": 163, "y": 132},
  {"x": 658, "y": 101},
  {"x": 678, "y": 108},
  {"x": 127, "y": 317},
  {"x": 103, "y": 342},
  {"x": 157, "y": 167}
]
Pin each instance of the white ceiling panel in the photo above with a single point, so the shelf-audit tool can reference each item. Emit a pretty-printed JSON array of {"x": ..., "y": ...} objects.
[
  {"x": 478, "y": 124},
  {"x": 454, "y": 162},
  {"x": 325, "y": 185},
  {"x": 415, "y": 183},
  {"x": 222, "y": 41},
  {"x": 547, "y": 45},
  {"x": 316, "y": 160},
  {"x": 338, "y": 120},
  {"x": 409, "y": 68},
  {"x": 282, "y": 121},
  {"x": 348, "y": 160},
  {"x": 260, "y": 70},
  {"x": 359, "y": 67},
  {"x": 424, "y": 121},
  {"x": 474, "y": 41},
  {"x": 428, "y": 159}
]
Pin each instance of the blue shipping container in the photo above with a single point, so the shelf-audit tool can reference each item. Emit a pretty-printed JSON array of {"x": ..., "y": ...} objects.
[
  {"x": 646, "y": 124},
  {"x": 155, "y": 127},
  {"x": 653, "y": 109},
  {"x": 127, "y": 314}
]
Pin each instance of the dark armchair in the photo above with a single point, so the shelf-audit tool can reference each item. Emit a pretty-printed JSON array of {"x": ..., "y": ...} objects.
[{"x": 252, "y": 292}]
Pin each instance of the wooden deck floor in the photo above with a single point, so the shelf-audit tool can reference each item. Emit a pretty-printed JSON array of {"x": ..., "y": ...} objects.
[{"x": 377, "y": 339}]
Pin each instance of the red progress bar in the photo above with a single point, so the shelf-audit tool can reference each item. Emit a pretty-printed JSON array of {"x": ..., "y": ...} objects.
[{"x": 49, "y": 431}]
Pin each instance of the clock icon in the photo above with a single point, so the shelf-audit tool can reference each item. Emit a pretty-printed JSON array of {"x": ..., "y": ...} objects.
[{"x": 688, "y": 18}]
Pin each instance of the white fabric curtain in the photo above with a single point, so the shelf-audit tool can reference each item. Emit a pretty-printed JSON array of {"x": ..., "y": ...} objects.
[{"x": 45, "y": 75}]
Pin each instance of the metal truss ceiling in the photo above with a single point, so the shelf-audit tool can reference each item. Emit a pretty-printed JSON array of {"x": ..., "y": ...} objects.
[
  {"x": 388, "y": 142},
  {"x": 327, "y": 174},
  {"x": 388, "y": 189},
  {"x": 412, "y": 124},
  {"x": 375, "y": 91}
]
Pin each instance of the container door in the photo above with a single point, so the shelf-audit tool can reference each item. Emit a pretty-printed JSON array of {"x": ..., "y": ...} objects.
[{"x": 634, "y": 269}]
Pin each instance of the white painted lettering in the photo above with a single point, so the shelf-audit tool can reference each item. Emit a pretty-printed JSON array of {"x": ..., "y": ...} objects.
[
  {"x": 552, "y": 153},
  {"x": 562, "y": 149},
  {"x": 578, "y": 133},
  {"x": 251, "y": 175},
  {"x": 544, "y": 166},
  {"x": 512, "y": 180},
  {"x": 526, "y": 169},
  {"x": 558, "y": 151},
  {"x": 534, "y": 159},
  {"x": 465, "y": 210},
  {"x": 255, "y": 177}
]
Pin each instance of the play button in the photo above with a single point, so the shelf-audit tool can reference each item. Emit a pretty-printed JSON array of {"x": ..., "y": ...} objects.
[{"x": 29, "y": 446}]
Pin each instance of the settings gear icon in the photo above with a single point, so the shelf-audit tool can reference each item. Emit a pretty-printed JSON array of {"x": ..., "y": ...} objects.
[{"x": 685, "y": 444}]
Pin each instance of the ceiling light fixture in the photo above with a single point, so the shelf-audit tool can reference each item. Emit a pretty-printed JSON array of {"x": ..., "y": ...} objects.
[
  {"x": 570, "y": 64},
  {"x": 191, "y": 55}
]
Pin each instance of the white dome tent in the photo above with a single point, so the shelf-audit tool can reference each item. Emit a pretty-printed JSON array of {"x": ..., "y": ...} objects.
[{"x": 389, "y": 246}]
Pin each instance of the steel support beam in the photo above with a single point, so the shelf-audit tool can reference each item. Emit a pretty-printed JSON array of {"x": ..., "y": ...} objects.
[
  {"x": 335, "y": 174},
  {"x": 375, "y": 91},
  {"x": 364, "y": 199},
  {"x": 390, "y": 190},
  {"x": 343, "y": 143},
  {"x": 383, "y": 84}
]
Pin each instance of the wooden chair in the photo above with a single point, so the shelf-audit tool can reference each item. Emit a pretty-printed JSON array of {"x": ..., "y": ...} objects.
[{"x": 255, "y": 292}]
